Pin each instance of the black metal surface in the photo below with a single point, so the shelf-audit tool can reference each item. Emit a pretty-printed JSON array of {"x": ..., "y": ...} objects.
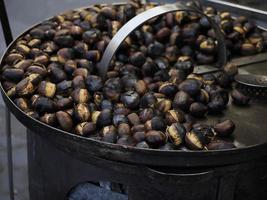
[
  {"x": 140, "y": 19},
  {"x": 8, "y": 39},
  {"x": 252, "y": 85},
  {"x": 249, "y": 136},
  {"x": 52, "y": 175}
]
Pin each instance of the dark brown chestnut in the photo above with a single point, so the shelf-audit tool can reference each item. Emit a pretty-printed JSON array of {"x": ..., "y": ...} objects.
[
  {"x": 190, "y": 86},
  {"x": 148, "y": 100},
  {"x": 130, "y": 99},
  {"x": 78, "y": 82},
  {"x": 124, "y": 130},
  {"x": 93, "y": 83},
  {"x": 137, "y": 59},
  {"x": 13, "y": 74},
  {"x": 44, "y": 104},
  {"x": 198, "y": 109},
  {"x": 239, "y": 98},
  {"x": 220, "y": 145},
  {"x": 155, "y": 139},
  {"x": 139, "y": 136},
  {"x": 133, "y": 119},
  {"x": 104, "y": 118},
  {"x": 168, "y": 89},
  {"x": 64, "y": 88},
  {"x": 64, "y": 120},
  {"x": 182, "y": 100},
  {"x": 146, "y": 114},
  {"x": 141, "y": 87},
  {"x": 224, "y": 128},
  {"x": 118, "y": 119},
  {"x": 156, "y": 123}
]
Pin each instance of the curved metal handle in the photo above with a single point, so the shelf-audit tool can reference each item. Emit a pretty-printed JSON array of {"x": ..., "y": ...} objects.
[
  {"x": 174, "y": 178},
  {"x": 140, "y": 19}
]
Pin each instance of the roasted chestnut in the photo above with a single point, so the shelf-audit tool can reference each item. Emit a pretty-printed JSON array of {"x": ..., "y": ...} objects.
[
  {"x": 93, "y": 83},
  {"x": 173, "y": 116},
  {"x": 190, "y": 86},
  {"x": 182, "y": 100},
  {"x": 220, "y": 145},
  {"x": 124, "y": 130},
  {"x": 155, "y": 139},
  {"x": 104, "y": 118},
  {"x": 81, "y": 112},
  {"x": 13, "y": 74},
  {"x": 47, "y": 89},
  {"x": 224, "y": 128},
  {"x": 198, "y": 109},
  {"x": 156, "y": 123},
  {"x": 168, "y": 89},
  {"x": 80, "y": 95},
  {"x": 108, "y": 134},
  {"x": 176, "y": 133},
  {"x": 49, "y": 118},
  {"x": 64, "y": 120},
  {"x": 130, "y": 99},
  {"x": 199, "y": 136},
  {"x": 239, "y": 98}
]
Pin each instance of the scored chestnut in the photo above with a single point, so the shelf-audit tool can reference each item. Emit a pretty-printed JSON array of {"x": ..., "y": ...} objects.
[{"x": 176, "y": 133}]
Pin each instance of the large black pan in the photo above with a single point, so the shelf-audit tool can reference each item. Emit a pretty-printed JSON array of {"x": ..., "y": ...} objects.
[{"x": 250, "y": 135}]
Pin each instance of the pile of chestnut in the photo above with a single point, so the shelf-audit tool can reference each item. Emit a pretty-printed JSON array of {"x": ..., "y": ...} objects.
[{"x": 150, "y": 97}]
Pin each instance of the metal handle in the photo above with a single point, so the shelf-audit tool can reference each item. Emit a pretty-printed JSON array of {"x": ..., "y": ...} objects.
[
  {"x": 174, "y": 178},
  {"x": 140, "y": 19}
]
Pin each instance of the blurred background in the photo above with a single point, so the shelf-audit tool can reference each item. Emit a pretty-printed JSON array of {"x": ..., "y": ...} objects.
[{"x": 22, "y": 15}]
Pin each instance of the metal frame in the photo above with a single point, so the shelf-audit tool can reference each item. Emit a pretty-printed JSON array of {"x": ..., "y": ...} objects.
[{"x": 8, "y": 39}]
